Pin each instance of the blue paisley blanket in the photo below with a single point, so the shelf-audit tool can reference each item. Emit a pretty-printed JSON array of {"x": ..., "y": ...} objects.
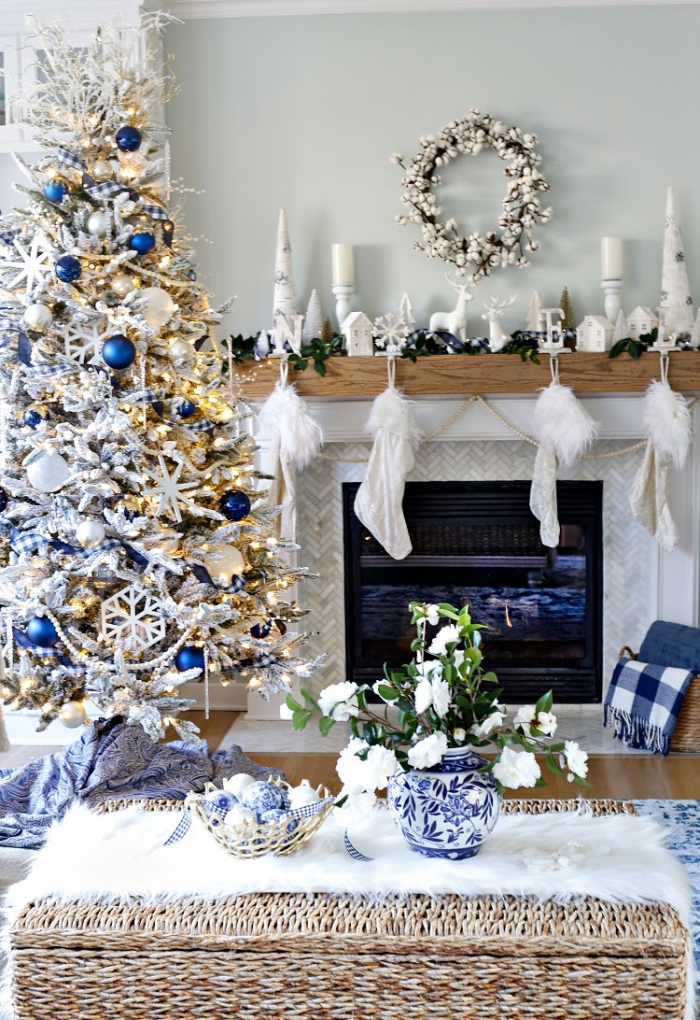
[{"x": 110, "y": 760}]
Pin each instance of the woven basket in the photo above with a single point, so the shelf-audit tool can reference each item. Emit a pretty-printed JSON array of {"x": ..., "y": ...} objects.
[
  {"x": 686, "y": 733},
  {"x": 281, "y": 838}
]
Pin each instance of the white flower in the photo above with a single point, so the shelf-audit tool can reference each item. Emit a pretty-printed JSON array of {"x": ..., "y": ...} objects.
[
  {"x": 357, "y": 808},
  {"x": 379, "y": 764},
  {"x": 459, "y": 735},
  {"x": 490, "y": 723},
  {"x": 285, "y": 711},
  {"x": 576, "y": 759},
  {"x": 375, "y": 687},
  {"x": 423, "y": 697},
  {"x": 516, "y": 768},
  {"x": 546, "y": 723},
  {"x": 525, "y": 715},
  {"x": 428, "y": 751},
  {"x": 430, "y": 668},
  {"x": 349, "y": 767},
  {"x": 442, "y": 698},
  {"x": 448, "y": 635},
  {"x": 458, "y": 657},
  {"x": 339, "y": 700},
  {"x": 431, "y": 615}
]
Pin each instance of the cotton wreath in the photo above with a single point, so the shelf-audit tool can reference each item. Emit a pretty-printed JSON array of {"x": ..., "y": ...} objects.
[{"x": 521, "y": 206}]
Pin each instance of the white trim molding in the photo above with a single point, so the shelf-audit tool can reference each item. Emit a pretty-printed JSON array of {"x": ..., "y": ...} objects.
[{"x": 194, "y": 9}]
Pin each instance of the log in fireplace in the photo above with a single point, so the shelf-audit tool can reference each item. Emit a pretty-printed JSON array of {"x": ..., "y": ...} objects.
[{"x": 477, "y": 543}]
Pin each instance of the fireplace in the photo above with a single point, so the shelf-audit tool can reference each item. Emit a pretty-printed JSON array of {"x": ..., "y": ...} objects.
[{"x": 477, "y": 543}]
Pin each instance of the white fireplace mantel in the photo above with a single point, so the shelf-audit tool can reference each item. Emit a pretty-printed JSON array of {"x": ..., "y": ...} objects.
[{"x": 674, "y": 578}]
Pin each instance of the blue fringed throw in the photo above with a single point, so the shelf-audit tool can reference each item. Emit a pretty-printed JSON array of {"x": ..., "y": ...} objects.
[{"x": 643, "y": 702}]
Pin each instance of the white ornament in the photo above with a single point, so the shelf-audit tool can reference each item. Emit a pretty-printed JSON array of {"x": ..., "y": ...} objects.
[
  {"x": 313, "y": 320},
  {"x": 641, "y": 321},
  {"x": 180, "y": 350},
  {"x": 406, "y": 311},
  {"x": 33, "y": 264},
  {"x": 49, "y": 473},
  {"x": 102, "y": 170},
  {"x": 594, "y": 334},
  {"x": 97, "y": 224},
  {"x": 133, "y": 619},
  {"x": 494, "y": 310},
  {"x": 122, "y": 284},
  {"x": 159, "y": 306},
  {"x": 90, "y": 533},
  {"x": 223, "y": 561},
  {"x": 241, "y": 820},
  {"x": 535, "y": 318},
  {"x": 509, "y": 241},
  {"x": 284, "y": 333},
  {"x": 620, "y": 332},
  {"x": 169, "y": 490},
  {"x": 238, "y": 783},
  {"x": 300, "y": 796},
  {"x": 84, "y": 340},
  {"x": 454, "y": 322},
  {"x": 391, "y": 333},
  {"x": 72, "y": 714},
  {"x": 38, "y": 317}
]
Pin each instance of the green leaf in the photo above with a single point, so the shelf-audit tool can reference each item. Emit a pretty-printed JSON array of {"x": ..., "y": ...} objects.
[
  {"x": 552, "y": 764},
  {"x": 617, "y": 348},
  {"x": 291, "y": 703},
  {"x": 325, "y": 725},
  {"x": 309, "y": 699},
  {"x": 300, "y": 718},
  {"x": 544, "y": 704},
  {"x": 320, "y": 366},
  {"x": 386, "y": 692},
  {"x": 540, "y": 782}
]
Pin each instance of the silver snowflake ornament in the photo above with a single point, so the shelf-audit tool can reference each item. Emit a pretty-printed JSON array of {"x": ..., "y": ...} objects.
[
  {"x": 391, "y": 333},
  {"x": 33, "y": 264},
  {"x": 84, "y": 341},
  {"x": 170, "y": 491},
  {"x": 133, "y": 619}
]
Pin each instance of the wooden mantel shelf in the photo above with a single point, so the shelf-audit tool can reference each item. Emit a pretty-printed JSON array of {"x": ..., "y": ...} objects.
[{"x": 485, "y": 373}]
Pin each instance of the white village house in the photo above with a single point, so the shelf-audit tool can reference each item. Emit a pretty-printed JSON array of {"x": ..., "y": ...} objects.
[
  {"x": 594, "y": 334},
  {"x": 640, "y": 321},
  {"x": 357, "y": 330}
]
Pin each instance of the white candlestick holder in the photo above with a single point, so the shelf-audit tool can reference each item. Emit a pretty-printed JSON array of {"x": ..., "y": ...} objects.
[
  {"x": 343, "y": 296},
  {"x": 612, "y": 303}
]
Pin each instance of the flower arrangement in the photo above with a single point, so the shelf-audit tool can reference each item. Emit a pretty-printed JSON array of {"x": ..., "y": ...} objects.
[
  {"x": 440, "y": 700},
  {"x": 521, "y": 212}
]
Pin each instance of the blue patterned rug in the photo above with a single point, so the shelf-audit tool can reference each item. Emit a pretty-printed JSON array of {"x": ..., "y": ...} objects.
[{"x": 682, "y": 820}]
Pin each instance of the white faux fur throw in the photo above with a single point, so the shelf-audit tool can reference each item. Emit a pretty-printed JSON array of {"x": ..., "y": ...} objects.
[{"x": 617, "y": 858}]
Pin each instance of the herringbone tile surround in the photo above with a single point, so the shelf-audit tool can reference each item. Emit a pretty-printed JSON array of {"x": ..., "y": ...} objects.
[{"x": 625, "y": 544}]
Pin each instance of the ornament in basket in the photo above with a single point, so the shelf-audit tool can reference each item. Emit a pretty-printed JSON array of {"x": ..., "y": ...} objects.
[{"x": 250, "y": 818}]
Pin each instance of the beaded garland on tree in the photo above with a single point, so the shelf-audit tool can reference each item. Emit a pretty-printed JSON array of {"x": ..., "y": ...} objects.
[{"x": 135, "y": 551}]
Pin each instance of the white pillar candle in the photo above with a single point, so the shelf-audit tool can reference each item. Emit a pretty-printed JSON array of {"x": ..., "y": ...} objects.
[
  {"x": 343, "y": 265},
  {"x": 611, "y": 258}
]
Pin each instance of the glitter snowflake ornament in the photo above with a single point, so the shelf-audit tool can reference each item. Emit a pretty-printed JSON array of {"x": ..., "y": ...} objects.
[
  {"x": 133, "y": 619},
  {"x": 391, "y": 333},
  {"x": 84, "y": 341},
  {"x": 33, "y": 264}
]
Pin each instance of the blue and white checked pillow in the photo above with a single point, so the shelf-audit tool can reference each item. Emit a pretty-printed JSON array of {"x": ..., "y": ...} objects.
[{"x": 643, "y": 702}]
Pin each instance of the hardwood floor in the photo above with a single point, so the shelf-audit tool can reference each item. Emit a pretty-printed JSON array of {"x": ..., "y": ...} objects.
[{"x": 624, "y": 776}]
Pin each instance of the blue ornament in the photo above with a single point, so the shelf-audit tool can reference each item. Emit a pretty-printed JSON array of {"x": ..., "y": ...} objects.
[
  {"x": 142, "y": 241},
  {"x": 189, "y": 657},
  {"x": 4, "y": 500},
  {"x": 42, "y": 632},
  {"x": 128, "y": 138},
  {"x": 55, "y": 191},
  {"x": 234, "y": 505},
  {"x": 186, "y": 409},
  {"x": 261, "y": 630},
  {"x": 119, "y": 351},
  {"x": 34, "y": 417},
  {"x": 68, "y": 268},
  {"x": 261, "y": 797}
]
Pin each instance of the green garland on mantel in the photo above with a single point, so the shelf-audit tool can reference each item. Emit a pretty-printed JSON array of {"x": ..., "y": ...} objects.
[{"x": 317, "y": 352}]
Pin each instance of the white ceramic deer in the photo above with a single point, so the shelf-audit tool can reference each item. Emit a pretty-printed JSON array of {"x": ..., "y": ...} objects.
[
  {"x": 454, "y": 322},
  {"x": 494, "y": 310}
]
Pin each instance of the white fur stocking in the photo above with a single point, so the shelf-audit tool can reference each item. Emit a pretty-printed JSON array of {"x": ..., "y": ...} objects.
[{"x": 379, "y": 499}]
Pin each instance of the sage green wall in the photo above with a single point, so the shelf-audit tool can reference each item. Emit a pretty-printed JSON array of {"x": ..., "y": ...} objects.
[{"x": 305, "y": 112}]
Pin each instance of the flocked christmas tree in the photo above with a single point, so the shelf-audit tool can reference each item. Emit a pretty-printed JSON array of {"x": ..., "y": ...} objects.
[{"x": 135, "y": 550}]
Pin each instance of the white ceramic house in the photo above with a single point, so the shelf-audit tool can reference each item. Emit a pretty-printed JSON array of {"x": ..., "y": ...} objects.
[
  {"x": 594, "y": 334},
  {"x": 642, "y": 320},
  {"x": 357, "y": 330}
]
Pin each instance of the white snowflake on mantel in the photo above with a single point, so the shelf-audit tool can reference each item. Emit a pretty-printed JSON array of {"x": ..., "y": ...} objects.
[
  {"x": 33, "y": 264},
  {"x": 391, "y": 333},
  {"x": 84, "y": 341},
  {"x": 170, "y": 491},
  {"x": 133, "y": 619}
]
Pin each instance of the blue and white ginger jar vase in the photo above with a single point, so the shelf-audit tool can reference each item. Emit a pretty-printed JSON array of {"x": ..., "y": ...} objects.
[{"x": 446, "y": 811}]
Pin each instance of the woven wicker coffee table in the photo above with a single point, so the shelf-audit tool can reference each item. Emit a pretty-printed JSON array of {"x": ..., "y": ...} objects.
[{"x": 283, "y": 956}]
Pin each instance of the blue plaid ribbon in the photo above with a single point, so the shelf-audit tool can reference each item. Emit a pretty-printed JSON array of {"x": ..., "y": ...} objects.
[
  {"x": 149, "y": 396},
  {"x": 70, "y": 159}
]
